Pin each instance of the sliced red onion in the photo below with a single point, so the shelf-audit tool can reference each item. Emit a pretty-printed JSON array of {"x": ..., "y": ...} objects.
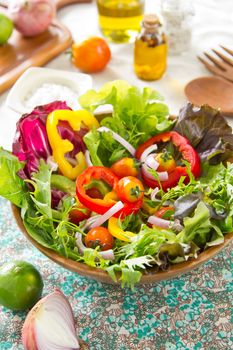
[
  {"x": 51, "y": 163},
  {"x": 79, "y": 242},
  {"x": 163, "y": 175},
  {"x": 88, "y": 158},
  {"x": 50, "y": 325},
  {"x": 119, "y": 139},
  {"x": 154, "y": 220},
  {"x": 146, "y": 173},
  {"x": 154, "y": 193},
  {"x": 106, "y": 255},
  {"x": 147, "y": 151},
  {"x": 90, "y": 221},
  {"x": 151, "y": 162},
  {"x": 113, "y": 210},
  {"x": 32, "y": 17},
  {"x": 72, "y": 161}
]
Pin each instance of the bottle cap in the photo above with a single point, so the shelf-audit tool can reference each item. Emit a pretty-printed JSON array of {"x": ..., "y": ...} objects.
[{"x": 150, "y": 21}]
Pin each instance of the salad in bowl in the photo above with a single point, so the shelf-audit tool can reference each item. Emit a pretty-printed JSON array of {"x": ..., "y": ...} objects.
[{"x": 131, "y": 193}]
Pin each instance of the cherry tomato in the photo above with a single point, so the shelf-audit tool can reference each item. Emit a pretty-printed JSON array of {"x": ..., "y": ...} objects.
[
  {"x": 79, "y": 213},
  {"x": 166, "y": 161},
  {"x": 125, "y": 167},
  {"x": 99, "y": 236},
  {"x": 92, "y": 55},
  {"x": 130, "y": 189},
  {"x": 165, "y": 212}
]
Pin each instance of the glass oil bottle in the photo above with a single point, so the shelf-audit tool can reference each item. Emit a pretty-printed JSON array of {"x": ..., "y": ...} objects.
[
  {"x": 119, "y": 20},
  {"x": 150, "y": 50}
]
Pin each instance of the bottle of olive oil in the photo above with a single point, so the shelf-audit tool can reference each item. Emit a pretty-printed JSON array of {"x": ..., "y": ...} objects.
[
  {"x": 120, "y": 20},
  {"x": 150, "y": 50}
]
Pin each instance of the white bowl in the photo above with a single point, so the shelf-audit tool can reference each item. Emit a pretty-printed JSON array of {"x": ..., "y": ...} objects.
[{"x": 34, "y": 77}]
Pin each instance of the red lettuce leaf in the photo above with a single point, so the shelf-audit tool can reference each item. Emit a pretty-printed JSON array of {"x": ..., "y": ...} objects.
[{"x": 207, "y": 131}]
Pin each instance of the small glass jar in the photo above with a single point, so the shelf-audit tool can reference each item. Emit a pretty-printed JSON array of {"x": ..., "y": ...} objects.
[
  {"x": 150, "y": 50},
  {"x": 119, "y": 20},
  {"x": 177, "y": 16}
]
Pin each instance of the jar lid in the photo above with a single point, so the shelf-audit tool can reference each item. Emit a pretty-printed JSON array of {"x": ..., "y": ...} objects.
[{"x": 150, "y": 21}]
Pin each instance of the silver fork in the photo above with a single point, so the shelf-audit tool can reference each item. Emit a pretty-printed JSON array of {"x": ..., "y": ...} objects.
[{"x": 222, "y": 67}]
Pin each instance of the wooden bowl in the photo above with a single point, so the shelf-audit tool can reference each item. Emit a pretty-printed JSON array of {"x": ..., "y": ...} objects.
[{"x": 150, "y": 276}]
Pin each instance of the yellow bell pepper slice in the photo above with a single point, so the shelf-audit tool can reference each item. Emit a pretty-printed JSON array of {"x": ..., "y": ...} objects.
[
  {"x": 60, "y": 147},
  {"x": 111, "y": 197},
  {"x": 117, "y": 232}
]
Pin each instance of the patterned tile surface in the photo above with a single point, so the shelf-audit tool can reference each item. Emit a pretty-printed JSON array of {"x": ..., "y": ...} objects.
[{"x": 190, "y": 312}]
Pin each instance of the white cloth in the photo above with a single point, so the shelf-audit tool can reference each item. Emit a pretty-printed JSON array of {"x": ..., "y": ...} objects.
[{"x": 212, "y": 25}]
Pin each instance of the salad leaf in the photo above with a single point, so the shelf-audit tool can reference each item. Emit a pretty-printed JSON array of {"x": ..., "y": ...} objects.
[
  {"x": 94, "y": 143},
  {"x": 185, "y": 205},
  {"x": 137, "y": 115},
  {"x": 207, "y": 131},
  {"x": 64, "y": 184},
  {"x": 147, "y": 242},
  {"x": 140, "y": 262},
  {"x": 110, "y": 93},
  {"x": 176, "y": 252},
  {"x": 216, "y": 236},
  {"x": 129, "y": 275},
  {"x": 196, "y": 228},
  {"x": 39, "y": 234},
  {"x": 41, "y": 195},
  {"x": 11, "y": 186}
]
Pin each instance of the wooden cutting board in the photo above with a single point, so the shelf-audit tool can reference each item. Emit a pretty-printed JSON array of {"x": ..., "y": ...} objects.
[{"x": 21, "y": 53}]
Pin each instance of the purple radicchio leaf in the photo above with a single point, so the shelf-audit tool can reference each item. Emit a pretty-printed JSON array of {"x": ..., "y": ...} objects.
[{"x": 31, "y": 142}]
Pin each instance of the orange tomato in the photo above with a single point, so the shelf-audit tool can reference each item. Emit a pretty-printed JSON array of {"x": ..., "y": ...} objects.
[
  {"x": 125, "y": 167},
  {"x": 92, "y": 55},
  {"x": 99, "y": 236},
  {"x": 166, "y": 161},
  {"x": 130, "y": 189}
]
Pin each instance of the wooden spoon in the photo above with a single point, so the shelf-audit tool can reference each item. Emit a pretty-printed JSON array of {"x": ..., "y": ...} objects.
[{"x": 214, "y": 91}]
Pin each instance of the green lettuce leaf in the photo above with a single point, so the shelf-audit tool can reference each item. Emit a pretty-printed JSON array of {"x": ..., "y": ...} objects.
[
  {"x": 110, "y": 93},
  {"x": 216, "y": 237},
  {"x": 128, "y": 269},
  {"x": 196, "y": 228},
  {"x": 12, "y": 187},
  {"x": 41, "y": 195},
  {"x": 104, "y": 150},
  {"x": 137, "y": 115}
]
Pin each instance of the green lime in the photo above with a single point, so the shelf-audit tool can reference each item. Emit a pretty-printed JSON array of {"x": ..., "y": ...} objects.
[
  {"x": 6, "y": 28},
  {"x": 21, "y": 285}
]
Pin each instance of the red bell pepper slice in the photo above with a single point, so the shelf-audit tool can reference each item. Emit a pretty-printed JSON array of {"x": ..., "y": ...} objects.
[
  {"x": 98, "y": 205},
  {"x": 184, "y": 147}
]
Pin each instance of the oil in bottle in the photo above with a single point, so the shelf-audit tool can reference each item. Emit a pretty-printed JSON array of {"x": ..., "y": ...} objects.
[
  {"x": 150, "y": 50},
  {"x": 119, "y": 20}
]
